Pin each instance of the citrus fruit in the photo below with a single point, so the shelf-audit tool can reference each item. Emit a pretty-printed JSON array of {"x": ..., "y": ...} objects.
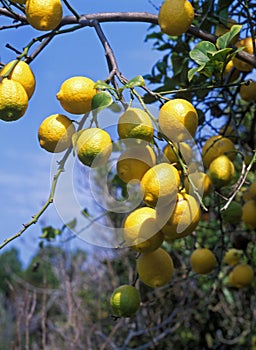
[
  {"x": 229, "y": 132},
  {"x": 249, "y": 214},
  {"x": 55, "y": 133},
  {"x": 155, "y": 269},
  {"x": 203, "y": 261},
  {"x": 248, "y": 92},
  {"x": 22, "y": 74},
  {"x": 232, "y": 256},
  {"x": 141, "y": 230},
  {"x": 233, "y": 213},
  {"x": 183, "y": 149},
  {"x": 93, "y": 146},
  {"x": 134, "y": 162},
  {"x": 201, "y": 181},
  {"x": 216, "y": 146},
  {"x": 13, "y": 100},
  {"x": 175, "y": 16},
  {"x": 239, "y": 64},
  {"x": 76, "y": 93},
  {"x": 184, "y": 218},
  {"x": 135, "y": 123},
  {"x": 221, "y": 171},
  {"x": 125, "y": 301},
  {"x": 159, "y": 185},
  {"x": 241, "y": 276},
  {"x": 252, "y": 190},
  {"x": 43, "y": 14},
  {"x": 231, "y": 72},
  {"x": 178, "y": 120}
]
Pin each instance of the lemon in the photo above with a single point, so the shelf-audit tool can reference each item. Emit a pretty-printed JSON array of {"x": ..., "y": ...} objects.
[
  {"x": 185, "y": 151},
  {"x": 221, "y": 171},
  {"x": 55, "y": 133},
  {"x": 160, "y": 185},
  {"x": 178, "y": 120},
  {"x": 252, "y": 190},
  {"x": 229, "y": 132},
  {"x": 216, "y": 146},
  {"x": 203, "y": 261},
  {"x": 43, "y": 14},
  {"x": 231, "y": 72},
  {"x": 248, "y": 92},
  {"x": 175, "y": 16},
  {"x": 184, "y": 219},
  {"x": 241, "y": 276},
  {"x": 22, "y": 74},
  {"x": 76, "y": 94},
  {"x": 134, "y": 162},
  {"x": 155, "y": 269},
  {"x": 125, "y": 301},
  {"x": 141, "y": 230},
  {"x": 201, "y": 181},
  {"x": 135, "y": 123},
  {"x": 232, "y": 256},
  {"x": 233, "y": 213},
  {"x": 239, "y": 64},
  {"x": 93, "y": 146},
  {"x": 13, "y": 100},
  {"x": 249, "y": 214}
]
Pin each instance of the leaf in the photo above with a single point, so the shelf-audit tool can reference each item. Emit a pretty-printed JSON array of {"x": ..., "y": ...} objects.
[
  {"x": 49, "y": 233},
  {"x": 85, "y": 213},
  {"x": 192, "y": 72},
  {"x": 102, "y": 85},
  {"x": 101, "y": 100},
  {"x": 224, "y": 40},
  {"x": 137, "y": 81},
  {"x": 221, "y": 55},
  {"x": 71, "y": 224},
  {"x": 200, "y": 52}
]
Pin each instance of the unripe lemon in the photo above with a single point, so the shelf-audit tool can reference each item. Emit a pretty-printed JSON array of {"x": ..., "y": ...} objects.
[
  {"x": 216, "y": 146},
  {"x": 93, "y": 146},
  {"x": 76, "y": 94},
  {"x": 125, "y": 301},
  {"x": 221, "y": 171},
  {"x": 203, "y": 261},
  {"x": 44, "y": 14},
  {"x": 249, "y": 214},
  {"x": 241, "y": 276},
  {"x": 22, "y": 74},
  {"x": 248, "y": 92},
  {"x": 185, "y": 151},
  {"x": 175, "y": 16},
  {"x": 135, "y": 123},
  {"x": 178, "y": 120},
  {"x": 233, "y": 213},
  {"x": 239, "y": 64},
  {"x": 55, "y": 133},
  {"x": 232, "y": 256},
  {"x": 13, "y": 100},
  {"x": 142, "y": 231},
  {"x": 155, "y": 269}
]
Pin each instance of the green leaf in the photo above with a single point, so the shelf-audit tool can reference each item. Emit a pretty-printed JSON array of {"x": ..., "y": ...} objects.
[
  {"x": 137, "y": 81},
  {"x": 221, "y": 55},
  {"x": 50, "y": 233},
  {"x": 85, "y": 213},
  {"x": 192, "y": 72},
  {"x": 71, "y": 224},
  {"x": 224, "y": 40},
  {"x": 200, "y": 53},
  {"x": 101, "y": 100},
  {"x": 102, "y": 85}
]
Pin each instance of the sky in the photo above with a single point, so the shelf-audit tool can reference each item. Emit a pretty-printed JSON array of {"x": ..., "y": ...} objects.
[{"x": 25, "y": 168}]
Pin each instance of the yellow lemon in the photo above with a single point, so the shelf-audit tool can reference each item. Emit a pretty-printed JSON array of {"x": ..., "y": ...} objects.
[
  {"x": 249, "y": 214},
  {"x": 203, "y": 261},
  {"x": 183, "y": 149},
  {"x": 160, "y": 185},
  {"x": 232, "y": 256},
  {"x": 93, "y": 146},
  {"x": 239, "y": 64},
  {"x": 22, "y": 74},
  {"x": 76, "y": 94},
  {"x": 248, "y": 92},
  {"x": 233, "y": 213},
  {"x": 175, "y": 16},
  {"x": 44, "y": 14},
  {"x": 134, "y": 162},
  {"x": 155, "y": 269},
  {"x": 55, "y": 133},
  {"x": 252, "y": 190},
  {"x": 184, "y": 218},
  {"x": 241, "y": 276},
  {"x": 178, "y": 120},
  {"x": 135, "y": 123},
  {"x": 141, "y": 230},
  {"x": 201, "y": 181},
  {"x": 125, "y": 301},
  {"x": 216, "y": 146},
  {"x": 231, "y": 72},
  {"x": 221, "y": 171},
  {"x": 13, "y": 100}
]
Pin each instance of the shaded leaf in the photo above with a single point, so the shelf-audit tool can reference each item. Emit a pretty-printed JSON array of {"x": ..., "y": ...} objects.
[
  {"x": 224, "y": 40},
  {"x": 200, "y": 52},
  {"x": 102, "y": 85},
  {"x": 101, "y": 100},
  {"x": 192, "y": 72}
]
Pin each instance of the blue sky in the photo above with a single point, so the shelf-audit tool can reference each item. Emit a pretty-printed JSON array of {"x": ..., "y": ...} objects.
[{"x": 25, "y": 167}]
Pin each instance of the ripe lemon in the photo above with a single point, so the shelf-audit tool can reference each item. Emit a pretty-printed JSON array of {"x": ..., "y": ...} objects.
[
  {"x": 125, "y": 301},
  {"x": 241, "y": 276},
  {"x": 252, "y": 190},
  {"x": 185, "y": 151},
  {"x": 249, "y": 214},
  {"x": 160, "y": 185},
  {"x": 43, "y": 14},
  {"x": 233, "y": 213},
  {"x": 216, "y": 146},
  {"x": 232, "y": 256},
  {"x": 201, "y": 181},
  {"x": 22, "y": 74},
  {"x": 134, "y": 162},
  {"x": 141, "y": 230},
  {"x": 155, "y": 269},
  {"x": 175, "y": 16},
  {"x": 13, "y": 100},
  {"x": 203, "y": 261},
  {"x": 231, "y": 71},
  {"x": 178, "y": 120},
  {"x": 248, "y": 92},
  {"x": 55, "y": 133},
  {"x": 93, "y": 146},
  {"x": 184, "y": 219},
  {"x": 76, "y": 94},
  {"x": 221, "y": 171},
  {"x": 135, "y": 123},
  {"x": 239, "y": 64}
]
